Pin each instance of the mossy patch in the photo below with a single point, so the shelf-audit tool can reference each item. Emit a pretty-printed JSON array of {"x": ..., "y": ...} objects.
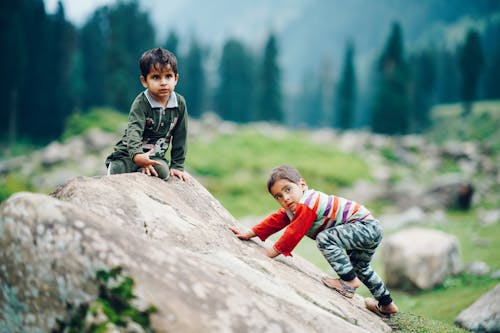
[
  {"x": 112, "y": 309},
  {"x": 408, "y": 322}
]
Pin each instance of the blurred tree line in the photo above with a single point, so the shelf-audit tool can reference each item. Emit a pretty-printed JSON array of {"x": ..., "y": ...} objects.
[{"x": 51, "y": 69}]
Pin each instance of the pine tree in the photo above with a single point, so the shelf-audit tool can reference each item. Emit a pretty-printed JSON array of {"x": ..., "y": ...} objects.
[
  {"x": 471, "y": 62},
  {"x": 60, "y": 102},
  {"x": 270, "y": 95},
  {"x": 94, "y": 37},
  {"x": 309, "y": 101},
  {"x": 131, "y": 33},
  {"x": 422, "y": 90},
  {"x": 491, "y": 82},
  {"x": 13, "y": 60},
  {"x": 390, "y": 115},
  {"x": 447, "y": 77},
  {"x": 346, "y": 92},
  {"x": 235, "y": 92},
  {"x": 193, "y": 79},
  {"x": 172, "y": 44},
  {"x": 112, "y": 42}
]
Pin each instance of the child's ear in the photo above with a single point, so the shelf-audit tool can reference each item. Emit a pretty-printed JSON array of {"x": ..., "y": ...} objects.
[
  {"x": 143, "y": 81},
  {"x": 303, "y": 184}
]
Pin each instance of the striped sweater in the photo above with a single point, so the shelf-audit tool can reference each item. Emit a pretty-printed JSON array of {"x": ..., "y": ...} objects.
[{"x": 315, "y": 212}]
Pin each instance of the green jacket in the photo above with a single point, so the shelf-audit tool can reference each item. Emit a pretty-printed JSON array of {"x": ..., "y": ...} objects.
[{"x": 151, "y": 127}]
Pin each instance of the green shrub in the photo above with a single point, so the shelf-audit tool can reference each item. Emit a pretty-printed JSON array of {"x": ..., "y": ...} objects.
[{"x": 114, "y": 302}]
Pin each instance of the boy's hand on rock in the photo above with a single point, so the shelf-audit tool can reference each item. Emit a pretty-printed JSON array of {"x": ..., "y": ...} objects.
[
  {"x": 241, "y": 235},
  {"x": 146, "y": 163},
  {"x": 179, "y": 174},
  {"x": 271, "y": 253}
]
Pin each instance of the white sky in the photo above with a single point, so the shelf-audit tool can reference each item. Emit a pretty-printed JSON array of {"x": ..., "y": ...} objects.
[{"x": 76, "y": 11}]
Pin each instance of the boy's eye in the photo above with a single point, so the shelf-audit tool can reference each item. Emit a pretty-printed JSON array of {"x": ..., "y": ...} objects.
[
  {"x": 288, "y": 189},
  {"x": 156, "y": 77},
  {"x": 277, "y": 196},
  {"x": 169, "y": 76}
]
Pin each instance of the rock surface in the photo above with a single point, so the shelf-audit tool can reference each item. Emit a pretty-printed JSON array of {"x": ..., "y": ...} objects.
[{"x": 172, "y": 239}]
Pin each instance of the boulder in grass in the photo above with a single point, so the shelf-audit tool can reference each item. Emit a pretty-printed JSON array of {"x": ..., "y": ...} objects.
[
  {"x": 484, "y": 315},
  {"x": 418, "y": 258}
]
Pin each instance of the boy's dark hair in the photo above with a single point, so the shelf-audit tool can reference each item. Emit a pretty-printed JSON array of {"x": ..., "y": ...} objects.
[
  {"x": 159, "y": 58},
  {"x": 283, "y": 172}
]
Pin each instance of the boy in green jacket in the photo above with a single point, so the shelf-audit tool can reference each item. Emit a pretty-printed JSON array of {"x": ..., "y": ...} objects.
[{"x": 157, "y": 119}]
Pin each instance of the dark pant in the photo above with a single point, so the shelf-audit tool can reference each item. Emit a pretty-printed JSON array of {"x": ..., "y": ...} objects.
[
  {"x": 126, "y": 165},
  {"x": 349, "y": 249}
]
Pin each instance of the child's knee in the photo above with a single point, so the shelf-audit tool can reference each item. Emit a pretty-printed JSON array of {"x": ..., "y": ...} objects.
[
  {"x": 163, "y": 171},
  {"x": 117, "y": 167},
  {"x": 322, "y": 239}
]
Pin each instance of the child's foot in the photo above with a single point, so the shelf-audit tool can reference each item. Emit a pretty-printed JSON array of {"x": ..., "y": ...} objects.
[
  {"x": 340, "y": 286},
  {"x": 383, "y": 310}
]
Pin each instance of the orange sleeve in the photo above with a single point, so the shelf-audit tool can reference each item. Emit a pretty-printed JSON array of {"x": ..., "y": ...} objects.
[
  {"x": 271, "y": 224},
  {"x": 303, "y": 219}
]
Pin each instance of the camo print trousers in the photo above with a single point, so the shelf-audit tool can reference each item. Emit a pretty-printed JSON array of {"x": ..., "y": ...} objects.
[{"x": 350, "y": 248}]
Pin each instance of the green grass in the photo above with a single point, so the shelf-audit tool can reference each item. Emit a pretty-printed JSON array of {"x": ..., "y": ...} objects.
[
  {"x": 482, "y": 125},
  {"x": 411, "y": 323}
]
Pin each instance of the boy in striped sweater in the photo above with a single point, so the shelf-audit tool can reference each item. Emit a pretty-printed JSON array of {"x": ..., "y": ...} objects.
[{"x": 346, "y": 234}]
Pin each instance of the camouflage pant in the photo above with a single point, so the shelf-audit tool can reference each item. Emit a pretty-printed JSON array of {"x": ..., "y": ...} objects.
[
  {"x": 359, "y": 240},
  {"x": 126, "y": 165}
]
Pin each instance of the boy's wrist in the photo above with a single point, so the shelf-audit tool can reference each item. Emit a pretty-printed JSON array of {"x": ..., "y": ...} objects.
[{"x": 272, "y": 252}]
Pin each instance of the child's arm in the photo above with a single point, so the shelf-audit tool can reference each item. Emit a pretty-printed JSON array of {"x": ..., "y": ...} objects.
[
  {"x": 302, "y": 221},
  {"x": 271, "y": 253},
  {"x": 179, "y": 142}
]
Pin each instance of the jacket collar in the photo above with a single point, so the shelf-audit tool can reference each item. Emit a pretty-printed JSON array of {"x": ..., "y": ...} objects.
[{"x": 171, "y": 103}]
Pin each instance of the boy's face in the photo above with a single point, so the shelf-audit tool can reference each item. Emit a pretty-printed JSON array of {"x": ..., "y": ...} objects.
[
  {"x": 160, "y": 82},
  {"x": 287, "y": 193}
]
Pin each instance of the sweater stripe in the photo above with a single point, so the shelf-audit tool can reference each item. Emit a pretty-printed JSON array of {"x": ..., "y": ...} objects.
[
  {"x": 345, "y": 213},
  {"x": 328, "y": 206}
]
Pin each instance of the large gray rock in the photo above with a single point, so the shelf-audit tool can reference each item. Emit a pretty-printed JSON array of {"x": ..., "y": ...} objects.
[
  {"x": 172, "y": 239},
  {"x": 484, "y": 315},
  {"x": 420, "y": 258}
]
